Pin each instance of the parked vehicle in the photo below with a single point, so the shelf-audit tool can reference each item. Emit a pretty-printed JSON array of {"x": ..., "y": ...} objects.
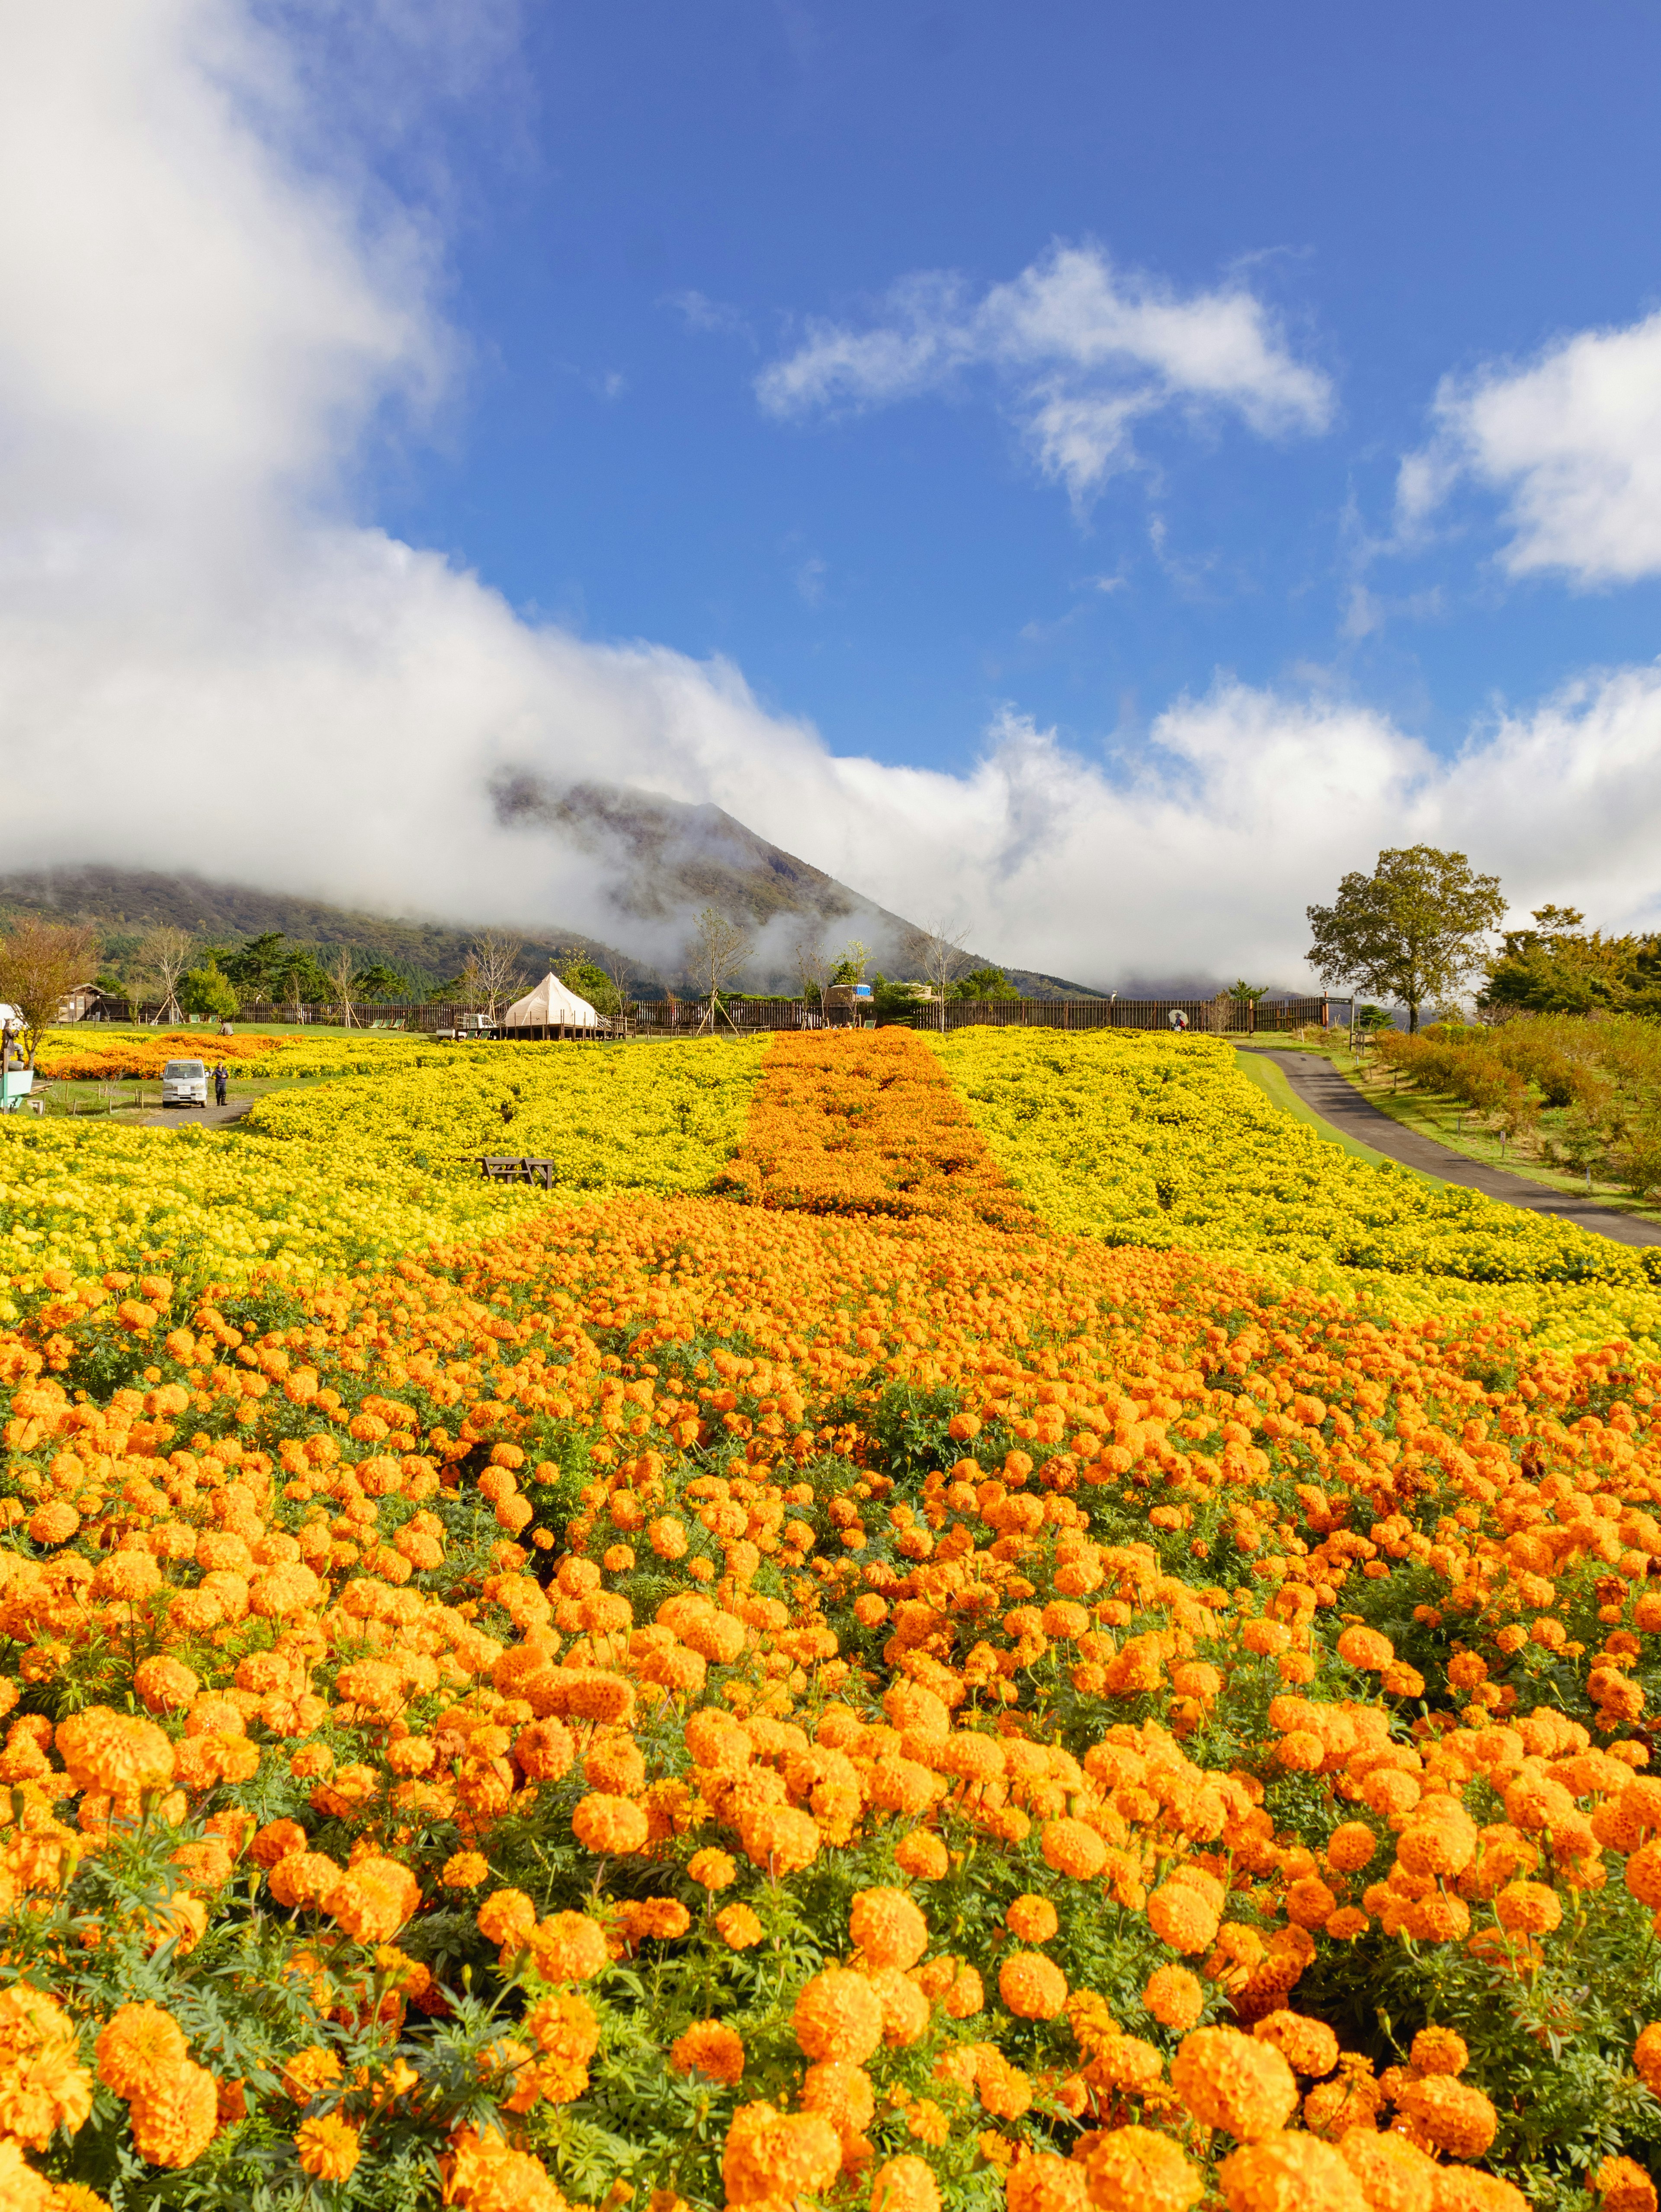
[{"x": 185, "y": 1082}]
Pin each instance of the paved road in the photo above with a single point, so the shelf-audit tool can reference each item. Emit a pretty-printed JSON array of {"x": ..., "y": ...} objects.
[{"x": 1320, "y": 1087}]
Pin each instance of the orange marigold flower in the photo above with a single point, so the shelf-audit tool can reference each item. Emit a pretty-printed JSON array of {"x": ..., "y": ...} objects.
[
  {"x": 464, "y": 1871},
  {"x": 887, "y": 1928},
  {"x": 1228, "y": 2080},
  {"x": 1289, "y": 2173},
  {"x": 712, "y": 1869},
  {"x": 23, "y": 2189},
  {"x": 1395, "y": 2175},
  {"x": 708, "y": 2047},
  {"x": 904, "y": 2184},
  {"x": 781, "y": 1839},
  {"x": 844, "y": 2092},
  {"x": 1032, "y": 1986},
  {"x": 1031, "y": 1918},
  {"x": 138, "y": 2047},
  {"x": 1071, "y": 1848},
  {"x": 772, "y": 2154},
  {"x": 610, "y": 1825},
  {"x": 117, "y": 1751},
  {"x": 1528, "y": 1908},
  {"x": 1439, "y": 2050},
  {"x": 925, "y": 2120},
  {"x": 1137, "y": 2170},
  {"x": 173, "y": 2123},
  {"x": 1350, "y": 1847},
  {"x": 1647, "y": 2057},
  {"x": 303, "y": 1879},
  {"x": 1181, "y": 1915},
  {"x": 1365, "y": 1647},
  {"x": 506, "y": 1917},
  {"x": 1046, "y": 2183},
  {"x": 922, "y": 1856},
  {"x": 1624, "y": 2187},
  {"x": 1175, "y": 1997},
  {"x": 838, "y": 2016},
  {"x": 43, "y": 2085},
  {"x": 568, "y": 1947},
  {"x": 328, "y": 2148},
  {"x": 308, "y": 2071},
  {"x": 1308, "y": 2046},
  {"x": 739, "y": 1928},
  {"x": 1457, "y": 2117}
]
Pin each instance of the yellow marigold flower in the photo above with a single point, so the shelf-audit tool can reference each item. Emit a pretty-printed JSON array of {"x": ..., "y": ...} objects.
[
  {"x": 1137, "y": 2170},
  {"x": 887, "y": 1928},
  {"x": 904, "y": 2184},
  {"x": 328, "y": 2148},
  {"x": 838, "y": 2016},
  {"x": 739, "y": 1928},
  {"x": 712, "y": 1869},
  {"x": 1228, "y": 2080},
  {"x": 1032, "y": 1986},
  {"x": 710, "y": 2047},
  {"x": 1289, "y": 2173},
  {"x": 173, "y": 2123},
  {"x": 464, "y": 1871},
  {"x": 1175, "y": 1997},
  {"x": 138, "y": 2047}
]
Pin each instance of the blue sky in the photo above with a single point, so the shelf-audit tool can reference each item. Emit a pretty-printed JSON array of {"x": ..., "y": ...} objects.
[
  {"x": 1411, "y": 194},
  {"x": 1088, "y": 476}
]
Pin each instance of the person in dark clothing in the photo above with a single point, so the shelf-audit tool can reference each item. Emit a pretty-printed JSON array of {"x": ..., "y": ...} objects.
[{"x": 222, "y": 1084}]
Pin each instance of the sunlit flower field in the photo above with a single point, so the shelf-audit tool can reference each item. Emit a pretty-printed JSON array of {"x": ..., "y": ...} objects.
[{"x": 976, "y": 1623}]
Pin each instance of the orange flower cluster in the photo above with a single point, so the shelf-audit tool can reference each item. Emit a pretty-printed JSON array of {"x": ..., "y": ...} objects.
[
  {"x": 865, "y": 1121},
  {"x": 146, "y": 1053},
  {"x": 775, "y": 1652}
]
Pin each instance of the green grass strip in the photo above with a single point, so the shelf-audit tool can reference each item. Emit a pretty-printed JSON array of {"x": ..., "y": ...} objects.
[{"x": 1272, "y": 1079}]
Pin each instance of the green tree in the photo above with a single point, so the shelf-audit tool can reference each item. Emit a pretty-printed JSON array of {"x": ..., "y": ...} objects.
[
  {"x": 255, "y": 966},
  {"x": 985, "y": 983},
  {"x": 205, "y": 990},
  {"x": 40, "y": 963},
  {"x": 378, "y": 980},
  {"x": 590, "y": 981},
  {"x": 1414, "y": 928}
]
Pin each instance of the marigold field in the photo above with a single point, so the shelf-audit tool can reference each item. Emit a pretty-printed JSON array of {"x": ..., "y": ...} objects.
[{"x": 978, "y": 1622}]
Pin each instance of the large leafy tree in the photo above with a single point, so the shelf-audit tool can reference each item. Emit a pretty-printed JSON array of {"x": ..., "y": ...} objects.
[
  {"x": 1414, "y": 930},
  {"x": 40, "y": 963}
]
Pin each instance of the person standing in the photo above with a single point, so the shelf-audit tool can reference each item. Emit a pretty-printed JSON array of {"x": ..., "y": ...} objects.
[{"x": 222, "y": 1083}]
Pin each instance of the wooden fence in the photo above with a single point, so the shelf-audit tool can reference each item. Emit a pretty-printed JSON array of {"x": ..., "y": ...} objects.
[{"x": 1216, "y": 1016}]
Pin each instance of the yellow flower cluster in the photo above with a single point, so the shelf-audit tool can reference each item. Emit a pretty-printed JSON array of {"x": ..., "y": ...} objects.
[
  {"x": 367, "y": 1167},
  {"x": 1161, "y": 1142}
]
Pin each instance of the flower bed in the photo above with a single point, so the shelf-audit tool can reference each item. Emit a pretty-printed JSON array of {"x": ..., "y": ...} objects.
[{"x": 690, "y": 1702}]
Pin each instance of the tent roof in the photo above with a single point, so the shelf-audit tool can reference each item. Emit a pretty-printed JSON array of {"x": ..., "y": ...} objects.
[{"x": 548, "y": 1006}]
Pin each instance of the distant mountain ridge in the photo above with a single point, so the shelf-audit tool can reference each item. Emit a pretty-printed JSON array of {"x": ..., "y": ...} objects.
[{"x": 666, "y": 859}]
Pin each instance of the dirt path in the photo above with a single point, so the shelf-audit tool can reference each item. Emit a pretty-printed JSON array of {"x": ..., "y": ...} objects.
[
  {"x": 182, "y": 1117},
  {"x": 1321, "y": 1087}
]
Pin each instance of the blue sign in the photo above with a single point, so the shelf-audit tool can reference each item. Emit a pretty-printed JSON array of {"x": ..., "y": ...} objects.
[{"x": 861, "y": 990}]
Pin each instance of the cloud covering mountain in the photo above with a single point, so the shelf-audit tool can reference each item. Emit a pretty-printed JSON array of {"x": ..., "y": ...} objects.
[{"x": 212, "y": 658}]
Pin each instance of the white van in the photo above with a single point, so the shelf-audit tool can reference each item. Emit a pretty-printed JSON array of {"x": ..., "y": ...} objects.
[{"x": 185, "y": 1082}]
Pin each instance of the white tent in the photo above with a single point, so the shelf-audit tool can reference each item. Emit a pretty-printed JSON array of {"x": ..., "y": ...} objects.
[{"x": 550, "y": 1007}]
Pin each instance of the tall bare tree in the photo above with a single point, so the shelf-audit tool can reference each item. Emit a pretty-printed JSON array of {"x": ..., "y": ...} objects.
[
  {"x": 341, "y": 972},
  {"x": 162, "y": 956},
  {"x": 937, "y": 947},
  {"x": 811, "y": 969},
  {"x": 718, "y": 952},
  {"x": 495, "y": 962},
  {"x": 40, "y": 963},
  {"x": 621, "y": 970}
]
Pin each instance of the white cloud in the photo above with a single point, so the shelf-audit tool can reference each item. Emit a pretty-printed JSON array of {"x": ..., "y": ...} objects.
[
  {"x": 1083, "y": 349},
  {"x": 207, "y": 662},
  {"x": 1574, "y": 439}
]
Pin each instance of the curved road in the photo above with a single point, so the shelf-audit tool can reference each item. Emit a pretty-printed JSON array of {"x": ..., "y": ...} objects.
[{"x": 1322, "y": 1089}]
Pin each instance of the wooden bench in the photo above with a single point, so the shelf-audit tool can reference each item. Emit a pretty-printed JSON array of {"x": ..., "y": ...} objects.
[{"x": 498, "y": 1170}]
